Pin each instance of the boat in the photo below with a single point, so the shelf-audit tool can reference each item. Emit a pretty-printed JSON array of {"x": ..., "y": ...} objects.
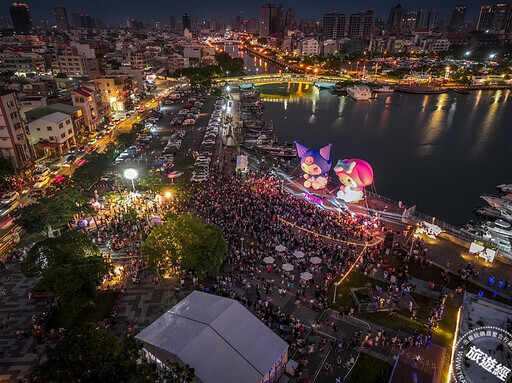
[
  {"x": 420, "y": 90},
  {"x": 498, "y": 229},
  {"x": 384, "y": 89},
  {"x": 504, "y": 188},
  {"x": 359, "y": 92},
  {"x": 461, "y": 91},
  {"x": 502, "y": 202},
  {"x": 339, "y": 89},
  {"x": 493, "y": 212}
]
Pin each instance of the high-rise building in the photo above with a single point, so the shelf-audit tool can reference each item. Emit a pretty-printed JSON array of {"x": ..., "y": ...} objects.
[
  {"x": 501, "y": 17},
  {"x": 14, "y": 144},
  {"x": 217, "y": 23},
  {"x": 485, "y": 18},
  {"x": 20, "y": 16},
  {"x": 410, "y": 20},
  {"x": 458, "y": 17},
  {"x": 253, "y": 25},
  {"x": 432, "y": 19},
  {"x": 186, "y": 21},
  {"x": 397, "y": 18},
  {"x": 82, "y": 21},
  {"x": 289, "y": 21},
  {"x": 236, "y": 23},
  {"x": 335, "y": 25},
  {"x": 271, "y": 20},
  {"x": 360, "y": 25},
  {"x": 172, "y": 22},
  {"x": 421, "y": 19},
  {"x": 61, "y": 18},
  {"x": 308, "y": 26}
]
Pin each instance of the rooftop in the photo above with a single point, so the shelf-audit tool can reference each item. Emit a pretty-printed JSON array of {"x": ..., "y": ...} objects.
[{"x": 217, "y": 336}]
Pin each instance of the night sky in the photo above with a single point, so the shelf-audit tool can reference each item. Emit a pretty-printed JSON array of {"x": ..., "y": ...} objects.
[{"x": 120, "y": 10}]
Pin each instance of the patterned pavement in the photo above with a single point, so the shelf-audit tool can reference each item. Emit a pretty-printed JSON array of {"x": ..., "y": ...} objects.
[{"x": 16, "y": 356}]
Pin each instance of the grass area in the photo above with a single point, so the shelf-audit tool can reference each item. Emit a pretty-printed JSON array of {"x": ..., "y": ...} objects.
[
  {"x": 355, "y": 279},
  {"x": 370, "y": 370},
  {"x": 29, "y": 238},
  {"x": 90, "y": 314},
  {"x": 444, "y": 334},
  {"x": 434, "y": 274}
]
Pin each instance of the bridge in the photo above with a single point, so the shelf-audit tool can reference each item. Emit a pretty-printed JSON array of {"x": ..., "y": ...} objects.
[{"x": 276, "y": 78}]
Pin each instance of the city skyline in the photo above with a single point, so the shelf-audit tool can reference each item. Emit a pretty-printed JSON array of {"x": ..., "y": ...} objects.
[{"x": 119, "y": 11}]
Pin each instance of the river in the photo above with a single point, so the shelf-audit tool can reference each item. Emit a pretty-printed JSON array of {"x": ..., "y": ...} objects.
[{"x": 439, "y": 152}]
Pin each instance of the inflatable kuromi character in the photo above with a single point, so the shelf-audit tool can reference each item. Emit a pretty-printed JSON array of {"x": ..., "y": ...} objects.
[
  {"x": 315, "y": 164},
  {"x": 354, "y": 175}
]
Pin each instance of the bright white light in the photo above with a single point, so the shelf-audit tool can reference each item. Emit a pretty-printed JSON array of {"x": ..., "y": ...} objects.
[
  {"x": 130, "y": 174},
  {"x": 467, "y": 53},
  {"x": 493, "y": 55},
  {"x": 228, "y": 89}
]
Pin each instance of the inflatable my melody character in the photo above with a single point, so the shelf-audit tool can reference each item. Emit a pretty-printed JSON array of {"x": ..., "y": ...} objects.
[
  {"x": 354, "y": 175},
  {"x": 315, "y": 164}
]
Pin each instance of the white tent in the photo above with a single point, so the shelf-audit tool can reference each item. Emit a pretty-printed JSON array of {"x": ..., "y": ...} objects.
[
  {"x": 315, "y": 260},
  {"x": 298, "y": 254},
  {"x": 268, "y": 260},
  {"x": 218, "y": 337},
  {"x": 280, "y": 248},
  {"x": 287, "y": 267},
  {"x": 306, "y": 276}
]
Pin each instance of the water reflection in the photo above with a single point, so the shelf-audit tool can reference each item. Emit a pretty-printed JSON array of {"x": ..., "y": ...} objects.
[{"x": 425, "y": 150}]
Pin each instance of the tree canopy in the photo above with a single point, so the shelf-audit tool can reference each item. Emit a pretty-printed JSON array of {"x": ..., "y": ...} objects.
[
  {"x": 185, "y": 241},
  {"x": 91, "y": 355},
  {"x": 70, "y": 266},
  {"x": 50, "y": 209}
]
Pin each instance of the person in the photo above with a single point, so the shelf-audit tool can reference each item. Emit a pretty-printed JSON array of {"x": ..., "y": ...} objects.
[{"x": 338, "y": 361}]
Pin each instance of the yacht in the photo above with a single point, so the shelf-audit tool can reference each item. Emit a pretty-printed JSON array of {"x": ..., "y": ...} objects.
[
  {"x": 384, "y": 89},
  {"x": 504, "y": 188},
  {"x": 498, "y": 229},
  {"x": 359, "y": 92},
  {"x": 502, "y": 202}
]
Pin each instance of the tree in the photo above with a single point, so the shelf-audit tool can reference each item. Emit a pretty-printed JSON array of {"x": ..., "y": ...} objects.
[
  {"x": 70, "y": 266},
  {"x": 50, "y": 209},
  {"x": 61, "y": 75},
  {"x": 91, "y": 355},
  {"x": 185, "y": 241},
  {"x": 154, "y": 181},
  {"x": 6, "y": 169}
]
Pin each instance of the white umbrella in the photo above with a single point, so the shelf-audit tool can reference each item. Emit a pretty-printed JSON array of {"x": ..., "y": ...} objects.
[
  {"x": 268, "y": 260},
  {"x": 298, "y": 254},
  {"x": 280, "y": 248},
  {"x": 287, "y": 267},
  {"x": 315, "y": 260},
  {"x": 306, "y": 276}
]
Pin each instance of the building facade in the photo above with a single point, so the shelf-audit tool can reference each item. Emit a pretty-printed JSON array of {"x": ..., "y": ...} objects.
[
  {"x": 334, "y": 26},
  {"x": 61, "y": 18},
  {"x": 21, "y": 20},
  {"x": 52, "y": 134},
  {"x": 14, "y": 143},
  {"x": 360, "y": 25}
]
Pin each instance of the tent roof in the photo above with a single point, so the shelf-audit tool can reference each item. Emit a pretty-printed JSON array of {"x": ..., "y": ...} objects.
[{"x": 218, "y": 337}]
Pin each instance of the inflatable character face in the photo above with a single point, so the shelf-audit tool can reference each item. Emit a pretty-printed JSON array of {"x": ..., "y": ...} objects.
[
  {"x": 315, "y": 164},
  {"x": 354, "y": 174}
]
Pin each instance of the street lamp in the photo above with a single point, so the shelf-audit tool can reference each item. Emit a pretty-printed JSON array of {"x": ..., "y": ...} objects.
[
  {"x": 131, "y": 174},
  {"x": 335, "y": 288},
  {"x": 168, "y": 195}
]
